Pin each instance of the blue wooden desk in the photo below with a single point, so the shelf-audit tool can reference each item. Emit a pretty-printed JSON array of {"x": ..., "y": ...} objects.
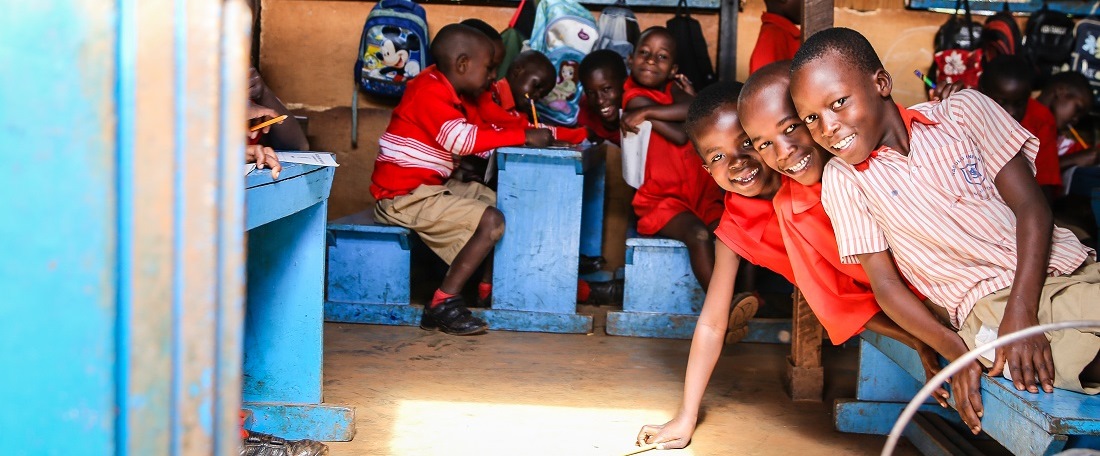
[
  {"x": 535, "y": 263},
  {"x": 283, "y": 339}
]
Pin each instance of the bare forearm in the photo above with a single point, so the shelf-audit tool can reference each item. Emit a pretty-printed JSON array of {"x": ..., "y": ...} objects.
[
  {"x": 672, "y": 131},
  {"x": 710, "y": 330}
]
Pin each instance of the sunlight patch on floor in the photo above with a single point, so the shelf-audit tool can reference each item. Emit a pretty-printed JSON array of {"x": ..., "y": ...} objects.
[{"x": 474, "y": 428}]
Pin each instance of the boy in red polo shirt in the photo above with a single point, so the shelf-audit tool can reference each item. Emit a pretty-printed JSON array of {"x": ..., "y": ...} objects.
[
  {"x": 839, "y": 294},
  {"x": 455, "y": 219},
  {"x": 945, "y": 190},
  {"x": 1009, "y": 80},
  {"x": 748, "y": 229},
  {"x": 779, "y": 33}
]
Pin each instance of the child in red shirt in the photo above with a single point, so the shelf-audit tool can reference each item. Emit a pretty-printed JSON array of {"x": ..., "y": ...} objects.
[
  {"x": 677, "y": 199},
  {"x": 410, "y": 182},
  {"x": 749, "y": 229},
  {"x": 1008, "y": 80},
  {"x": 779, "y": 33},
  {"x": 602, "y": 77},
  {"x": 507, "y": 103}
]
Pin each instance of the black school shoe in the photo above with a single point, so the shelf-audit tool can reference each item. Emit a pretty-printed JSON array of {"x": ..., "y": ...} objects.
[{"x": 452, "y": 317}]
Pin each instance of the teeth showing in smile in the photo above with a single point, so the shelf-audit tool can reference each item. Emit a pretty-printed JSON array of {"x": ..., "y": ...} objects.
[
  {"x": 844, "y": 143},
  {"x": 746, "y": 179},
  {"x": 606, "y": 111},
  {"x": 801, "y": 165}
]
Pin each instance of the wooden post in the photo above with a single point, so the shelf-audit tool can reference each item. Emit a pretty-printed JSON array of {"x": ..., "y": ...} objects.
[
  {"x": 804, "y": 373},
  {"x": 727, "y": 40}
]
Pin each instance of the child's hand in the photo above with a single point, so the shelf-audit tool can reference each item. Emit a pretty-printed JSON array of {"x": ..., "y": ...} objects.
[
  {"x": 539, "y": 137},
  {"x": 262, "y": 156},
  {"x": 942, "y": 91},
  {"x": 1029, "y": 360},
  {"x": 684, "y": 84},
  {"x": 630, "y": 119},
  {"x": 255, "y": 111},
  {"x": 966, "y": 385},
  {"x": 931, "y": 361},
  {"x": 672, "y": 435}
]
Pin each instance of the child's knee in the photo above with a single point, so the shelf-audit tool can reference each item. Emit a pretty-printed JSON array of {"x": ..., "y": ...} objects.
[
  {"x": 493, "y": 222},
  {"x": 699, "y": 236}
]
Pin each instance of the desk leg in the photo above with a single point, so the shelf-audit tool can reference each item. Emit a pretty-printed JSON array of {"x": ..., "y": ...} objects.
[
  {"x": 283, "y": 331},
  {"x": 805, "y": 376}
]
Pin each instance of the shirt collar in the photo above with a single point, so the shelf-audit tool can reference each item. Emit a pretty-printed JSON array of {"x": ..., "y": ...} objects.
[
  {"x": 908, "y": 116},
  {"x": 783, "y": 23},
  {"x": 804, "y": 198},
  {"x": 504, "y": 94},
  {"x": 752, "y": 214}
]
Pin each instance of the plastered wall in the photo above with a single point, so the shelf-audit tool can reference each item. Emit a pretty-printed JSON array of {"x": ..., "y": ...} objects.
[{"x": 308, "y": 47}]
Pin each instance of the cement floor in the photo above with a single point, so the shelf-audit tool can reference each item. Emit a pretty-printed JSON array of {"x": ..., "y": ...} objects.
[{"x": 509, "y": 393}]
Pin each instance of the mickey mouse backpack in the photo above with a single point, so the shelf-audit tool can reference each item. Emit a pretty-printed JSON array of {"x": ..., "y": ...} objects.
[{"x": 392, "y": 50}]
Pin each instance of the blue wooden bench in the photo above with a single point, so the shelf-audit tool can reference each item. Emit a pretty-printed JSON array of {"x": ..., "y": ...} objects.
[
  {"x": 661, "y": 297},
  {"x": 890, "y": 373},
  {"x": 368, "y": 272}
]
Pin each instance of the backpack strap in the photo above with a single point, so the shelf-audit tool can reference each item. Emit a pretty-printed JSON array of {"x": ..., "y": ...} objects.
[{"x": 682, "y": 8}]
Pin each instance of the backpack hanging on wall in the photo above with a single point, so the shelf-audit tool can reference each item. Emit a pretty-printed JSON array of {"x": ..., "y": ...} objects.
[
  {"x": 1086, "y": 53},
  {"x": 618, "y": 29},
  {"x": 692, "y": 55},
  {"x": 958, "y": 55},
  {"x": 1048, "y": 42},
  {"x": 565, "y": 31},
  {"x": 1000, "y": 35},
  {"x": 393, "y": 49}
]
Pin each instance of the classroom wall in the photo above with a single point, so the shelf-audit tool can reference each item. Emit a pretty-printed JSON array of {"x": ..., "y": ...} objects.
[{"x": 308, "y": 47}]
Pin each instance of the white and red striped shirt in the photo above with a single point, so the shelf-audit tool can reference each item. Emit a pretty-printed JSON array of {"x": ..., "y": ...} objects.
[
  {"x": 427, "y": 129},
  {"x": 937, "y": 209}
]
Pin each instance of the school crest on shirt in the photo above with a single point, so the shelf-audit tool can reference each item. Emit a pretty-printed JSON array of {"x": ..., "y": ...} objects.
[{"x": 969, "y": 169}]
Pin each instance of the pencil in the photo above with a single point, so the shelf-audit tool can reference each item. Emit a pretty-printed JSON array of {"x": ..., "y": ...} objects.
[
  {"x": 534, "y": 114},
  {"x": 1077, "y": 136},
  {"x": 269, "y": 122},
  {"x": 642, "y": 449}
]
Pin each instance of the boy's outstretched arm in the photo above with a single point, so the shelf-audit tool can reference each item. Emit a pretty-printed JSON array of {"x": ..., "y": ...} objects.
[
  {"x": 706, "y": 346},
  {"x": 666, "y": 119},
  {"x": 904, "y": 308},
  {"x": 1029, "y": 360}
]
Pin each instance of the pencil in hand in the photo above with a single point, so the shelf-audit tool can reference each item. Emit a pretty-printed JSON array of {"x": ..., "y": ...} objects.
[{"x": 534, "y": 113}]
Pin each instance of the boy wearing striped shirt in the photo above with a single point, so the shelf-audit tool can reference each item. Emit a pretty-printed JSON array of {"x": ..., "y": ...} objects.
[
  {"x": 948, "y": 191},
  {"x": 411, "y": 184}
]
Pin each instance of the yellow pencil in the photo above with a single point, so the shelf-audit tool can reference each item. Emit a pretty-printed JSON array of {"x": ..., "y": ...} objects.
[
  {"x": 642, "y": 449},
  {"x": 269, "y": 122},
  {"x": 1077, "y": 136},
  {"x": 534, "y": 114}
]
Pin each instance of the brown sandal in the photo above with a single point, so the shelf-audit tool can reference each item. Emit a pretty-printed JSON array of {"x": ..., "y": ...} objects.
[{"x": 741, "y": 311}]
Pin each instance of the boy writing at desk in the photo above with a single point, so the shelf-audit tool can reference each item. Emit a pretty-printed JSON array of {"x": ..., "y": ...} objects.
[
  {"x": 947, "y": 190},
  {"x": 455, "y": 219}
]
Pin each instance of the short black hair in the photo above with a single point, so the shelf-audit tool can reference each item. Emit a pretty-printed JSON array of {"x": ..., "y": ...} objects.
[
  {"x": 1071, "y": 80},
  {"x": 454, "y": 40},
  {"x": 658, "y": 30},
  {"x": 707, "y": 103},
  {"x": 763, "y": 77},
  {"x": 1008, "y": 68},
  {"x": 483, "y": 27},
  {"x": 606, "y": 60},
  {"x": 849, "y": 44}
]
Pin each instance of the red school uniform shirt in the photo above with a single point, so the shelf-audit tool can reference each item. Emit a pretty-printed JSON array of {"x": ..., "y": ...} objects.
[
  {"x": 497, "y": 107},
  {"x": 750, "y": 227},
  {"x": 675, "y": 181},
  {"x": 779, "y": 39},
  {"x": 1040, "y": 122},
  {"x": 594, "y": 123},
  {"x": 426, "y": 129},
  {"x": 839, "y": 294}
]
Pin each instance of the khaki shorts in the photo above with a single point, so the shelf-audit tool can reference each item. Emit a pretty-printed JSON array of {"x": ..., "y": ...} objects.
[
  {"x": 444, "y": 216},
  {"x": 1065, "y": 298}
]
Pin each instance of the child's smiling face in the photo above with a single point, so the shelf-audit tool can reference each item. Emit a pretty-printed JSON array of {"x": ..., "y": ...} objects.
[
  {"x": 604, "y": 94},
  {"x": 842, "y": 105},
  {"x": 729, "y": 157},
  {"x": 652, "y": 63},
  {"x": 780, "y": 137}
]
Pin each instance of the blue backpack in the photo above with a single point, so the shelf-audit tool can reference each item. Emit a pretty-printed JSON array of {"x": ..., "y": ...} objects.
[
  {"x": 392, "y": 50},
  {"x": 565, "y": 31}
]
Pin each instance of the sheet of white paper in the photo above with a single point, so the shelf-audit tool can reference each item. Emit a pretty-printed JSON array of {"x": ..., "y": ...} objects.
[
  {"x": 635, "y": 146},
  {"x": 248, "y": 167},
  {"x": 308, "y": 158}
]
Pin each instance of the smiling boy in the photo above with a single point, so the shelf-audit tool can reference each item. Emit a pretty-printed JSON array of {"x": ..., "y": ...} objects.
[{"x": 947, "y": 190}]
